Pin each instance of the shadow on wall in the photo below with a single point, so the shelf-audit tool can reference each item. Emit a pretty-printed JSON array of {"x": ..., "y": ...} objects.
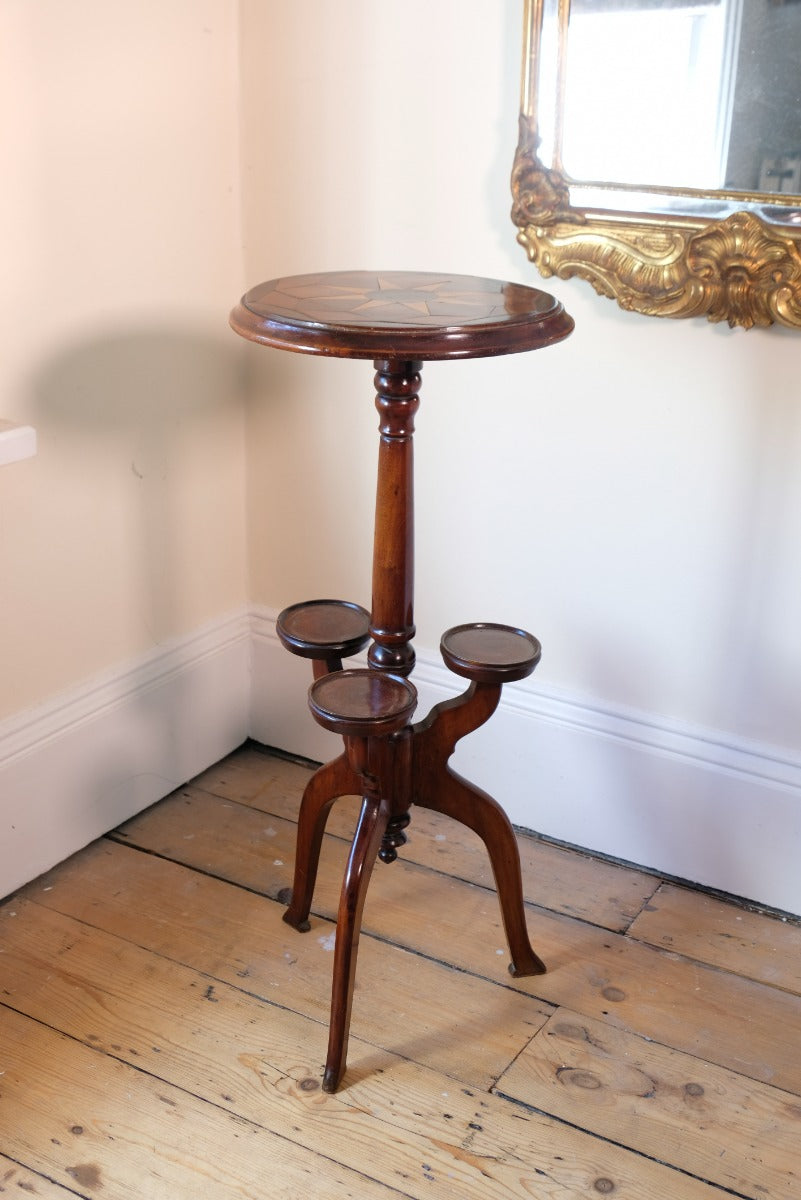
[
  {"x": 120, "y": 418},
  {"x": 146, "y": 380},
  {"x": 141, "y": 445}
]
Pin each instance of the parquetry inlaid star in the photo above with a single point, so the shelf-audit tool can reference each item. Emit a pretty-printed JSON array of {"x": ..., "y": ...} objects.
[{"x": 391, "y": 299}]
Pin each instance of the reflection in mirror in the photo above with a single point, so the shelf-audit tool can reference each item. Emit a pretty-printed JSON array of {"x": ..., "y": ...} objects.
[
  {"x": 718, "y": 107},
  {"x": 682, "y": 114},
  {"x": 610, "y": 61},
  {"x": 765, "y": 146}
]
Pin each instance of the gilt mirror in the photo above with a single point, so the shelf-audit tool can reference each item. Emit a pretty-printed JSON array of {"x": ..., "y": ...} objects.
[{"x": 659, "y": 154}]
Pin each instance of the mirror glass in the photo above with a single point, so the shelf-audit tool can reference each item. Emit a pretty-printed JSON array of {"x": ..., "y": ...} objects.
[
  {"x": 674, "y": 94},
  {"x": 659, "y": 154}
]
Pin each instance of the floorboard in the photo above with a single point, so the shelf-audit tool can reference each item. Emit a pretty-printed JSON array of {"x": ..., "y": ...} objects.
[
  {"x": 728, "y": 936},
  {"x": 713, "y": 1123},
  {"x": 162, "y": 1030},
  {"x": 605, "y": 975},
  {"x": 16, "y": 1180}
]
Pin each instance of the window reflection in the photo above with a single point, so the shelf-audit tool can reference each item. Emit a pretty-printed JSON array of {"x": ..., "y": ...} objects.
[{"x": 649, "y": 91}]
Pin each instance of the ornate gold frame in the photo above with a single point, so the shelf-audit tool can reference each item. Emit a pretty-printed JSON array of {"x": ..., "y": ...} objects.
[{"x": 739, "y": 269}]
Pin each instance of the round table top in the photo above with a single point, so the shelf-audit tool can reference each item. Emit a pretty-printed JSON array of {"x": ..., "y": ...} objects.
[{"x": 399, "y": 314}]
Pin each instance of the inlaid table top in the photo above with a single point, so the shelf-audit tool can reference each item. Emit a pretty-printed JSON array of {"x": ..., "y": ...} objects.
[{"x": 399, "y": 314}]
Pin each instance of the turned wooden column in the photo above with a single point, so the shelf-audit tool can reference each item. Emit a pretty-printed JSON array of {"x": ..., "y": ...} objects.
[{"x": 397, "y": 384}]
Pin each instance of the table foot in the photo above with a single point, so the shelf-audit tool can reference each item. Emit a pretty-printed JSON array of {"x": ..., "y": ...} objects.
[
  {"x": 326, "y": 785},
  {"x": 448, "y": 793},
  {"x": 370, "y": 830},
  {"x": 440, "y": 789}
]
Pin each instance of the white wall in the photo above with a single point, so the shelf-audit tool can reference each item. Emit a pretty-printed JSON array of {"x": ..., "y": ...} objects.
[
  {"x": 631, "y": 496},
  {"x": 120, "y": 206},
  {"x": 125, "y": 535}
]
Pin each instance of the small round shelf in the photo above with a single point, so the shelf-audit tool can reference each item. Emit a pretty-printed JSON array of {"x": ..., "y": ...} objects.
[
  {"x": 489, "y": 653},
  {"x": 362, "y": 703},
  {"x": 322, "y": 628}
]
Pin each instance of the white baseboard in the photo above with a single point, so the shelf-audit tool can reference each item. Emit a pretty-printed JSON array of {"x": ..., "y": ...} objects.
[
  {"x": 683, "y": 801},
  {"x": 77, "y": 766}
]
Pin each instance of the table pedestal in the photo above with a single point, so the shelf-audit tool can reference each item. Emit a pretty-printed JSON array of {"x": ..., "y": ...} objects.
[
  {"x": 396, "y": 769},
  {"x": 399, "y": 320}
]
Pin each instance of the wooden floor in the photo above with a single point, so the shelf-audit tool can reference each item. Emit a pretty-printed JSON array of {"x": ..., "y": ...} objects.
[{"x": 162, "y": 1031}]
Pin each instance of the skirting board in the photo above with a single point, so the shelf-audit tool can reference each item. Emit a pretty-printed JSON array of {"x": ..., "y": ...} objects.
[
  {"x": 77, "y": 766},
  {"x": 676, "y": 799}
]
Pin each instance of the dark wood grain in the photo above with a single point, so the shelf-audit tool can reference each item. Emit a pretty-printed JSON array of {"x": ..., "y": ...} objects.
[
  {"x": 399, "y": 320},
  {"x": 397, "y": 385},
  {"x": 362, "y": 702},
  {"x": 399, "y": 314},
  {"x": 490, "y": 652}
]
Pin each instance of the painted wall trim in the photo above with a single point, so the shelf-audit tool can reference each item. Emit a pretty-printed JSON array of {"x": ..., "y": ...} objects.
[
  {"x": 74, "y": 767},
  {"x": 682, "y": 800}
]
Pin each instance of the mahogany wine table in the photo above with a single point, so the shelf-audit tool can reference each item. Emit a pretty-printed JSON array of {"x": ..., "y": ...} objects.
[{"x": 399, "y": 320}]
